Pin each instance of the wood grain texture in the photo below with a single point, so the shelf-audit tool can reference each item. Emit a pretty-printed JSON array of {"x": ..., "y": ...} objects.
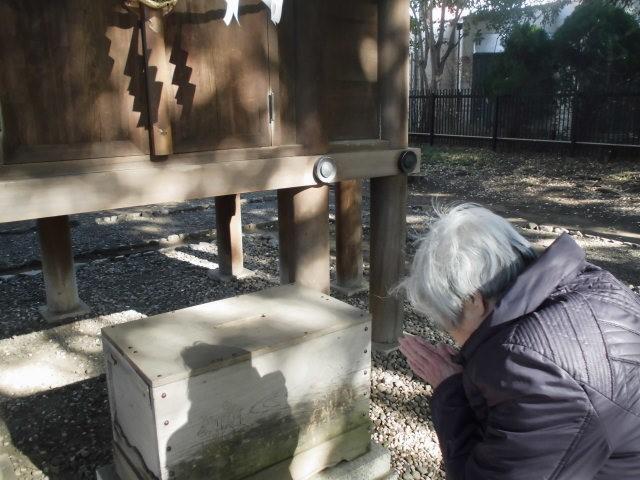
[
  {"x": 220, "y": 75},
  {"x": 159, "y": 340},
  {"x": 158, "y": 81},
  {"x": 132, "y": 417},
  {"x": 282, "y": 75},
  {"x": 305, "y": 465},
  {"x": 58, "y": 270},
  {"x": 350, "y": 68},
  {"x": 388, "y": 237},
  {"x": 389, "y": 194},
  {"x": 235, "y": 421},
  {"x": 233, "y": 392},
  {"x": 72, "y": 75},
  {"x": 229, "y": 235},
  {"x": 312, "y": 112},
  {"x": 303, "y": 227},
  {"x": 27, "y": 192},
  {"x": 393, "y": 70},
  {"x": 349, "y": 233}
]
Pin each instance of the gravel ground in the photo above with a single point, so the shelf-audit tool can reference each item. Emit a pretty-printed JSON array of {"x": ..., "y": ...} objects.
[
  {"x": 54, "y": 416},
  {"x": 103, "y": 233}
]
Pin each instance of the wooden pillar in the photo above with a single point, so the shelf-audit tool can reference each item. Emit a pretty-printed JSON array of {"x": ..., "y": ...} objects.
[
  {"x": 303, "y": 217},
  {"x": 303, "y": 212},
  {"x": 389, "y": 194},
  {"x": 58, "y": 270},
  {"x": 349, "y": 278},
  {"x": 229, "y": 238},
  {"x": 388, "y": 237}
]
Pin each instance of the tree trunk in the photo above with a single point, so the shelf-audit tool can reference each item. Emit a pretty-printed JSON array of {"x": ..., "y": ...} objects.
[{"x": 435, "y": 74}]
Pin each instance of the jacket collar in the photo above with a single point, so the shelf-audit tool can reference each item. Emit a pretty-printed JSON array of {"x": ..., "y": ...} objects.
[{"x": 558, "y": 264}]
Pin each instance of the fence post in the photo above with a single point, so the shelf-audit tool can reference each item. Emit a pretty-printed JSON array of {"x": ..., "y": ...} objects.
[
  {"x": 494, "y": 138},
  {"x": 433, "y": 119},
  {"x": 574, "y": 129}
]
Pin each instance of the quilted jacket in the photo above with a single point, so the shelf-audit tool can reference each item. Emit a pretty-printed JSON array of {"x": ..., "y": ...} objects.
[{"x": 551, "y": 381}]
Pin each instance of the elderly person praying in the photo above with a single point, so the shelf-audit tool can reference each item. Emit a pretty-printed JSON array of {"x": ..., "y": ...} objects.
[{"x": 546, "y": 384}]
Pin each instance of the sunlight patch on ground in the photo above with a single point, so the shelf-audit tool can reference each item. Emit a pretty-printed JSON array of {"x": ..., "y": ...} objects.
[
  {"x": 415, "y": 219},
  {"x": 572, "y": 200},
  {"x": 191, "y": 259},
  {"x": 150, "y": 228},
  {"x": 205, "y": 247},
  {"x": 40, "y": 361}
]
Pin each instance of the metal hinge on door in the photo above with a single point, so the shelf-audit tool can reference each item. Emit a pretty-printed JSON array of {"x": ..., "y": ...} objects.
[{"x": 270, "y": 100}]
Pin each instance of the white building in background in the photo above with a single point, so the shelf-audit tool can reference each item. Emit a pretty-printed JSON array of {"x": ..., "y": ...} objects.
[{"x": 478, "y": 47}]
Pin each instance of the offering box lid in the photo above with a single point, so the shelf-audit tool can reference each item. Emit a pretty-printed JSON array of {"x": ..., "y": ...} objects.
[{"x": 218, "y": 334}]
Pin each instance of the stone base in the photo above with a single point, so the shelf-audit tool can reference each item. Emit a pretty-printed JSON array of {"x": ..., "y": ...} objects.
[
  {"x": 384, "y": 348},
  {"x": 373, "y": 465},
  {"x": 6, "y": 469},
  {"x": 351, "y": 290},
  {"x": 216, "y": 275},
  {"x": 107, "y": 472},
  {"x": 55, "y": 317}
]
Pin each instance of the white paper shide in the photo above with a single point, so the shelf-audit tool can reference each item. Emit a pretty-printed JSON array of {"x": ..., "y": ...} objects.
[{"x": 234, "y": 5}]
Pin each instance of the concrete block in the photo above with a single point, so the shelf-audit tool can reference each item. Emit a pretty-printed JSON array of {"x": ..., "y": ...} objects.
[
  {"x": 107, "y": 472},
  {"x": 217, "y": 275},
  {"x": 384, "y": 348},
  {"x": 55, "y": 317},
  {"x": 373, "y": 465},
  {"x": 351, "y": 290},
  {"x": 6, "y": 469}
]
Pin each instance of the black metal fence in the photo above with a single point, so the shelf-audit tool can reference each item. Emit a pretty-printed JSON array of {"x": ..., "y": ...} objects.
[{"x": 601, "y": 119}]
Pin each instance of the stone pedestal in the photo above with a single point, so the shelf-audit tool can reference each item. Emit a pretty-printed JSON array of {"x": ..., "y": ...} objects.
[
  {"x": 220, "y": 275},
  {"x": 373, "y": 465}
]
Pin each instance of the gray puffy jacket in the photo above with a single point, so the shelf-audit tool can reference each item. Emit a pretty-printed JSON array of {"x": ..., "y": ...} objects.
[{"x": 551, "y": 381}]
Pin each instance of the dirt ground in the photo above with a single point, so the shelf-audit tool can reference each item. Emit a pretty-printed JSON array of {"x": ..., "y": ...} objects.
[
  {"x": 54, "y": 416},
  {"x": 594, "y": 193},
  {"x": 598, "y": 197}
]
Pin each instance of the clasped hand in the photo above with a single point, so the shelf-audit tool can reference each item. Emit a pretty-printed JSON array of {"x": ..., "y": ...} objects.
[{"x": 432, "y": 363}]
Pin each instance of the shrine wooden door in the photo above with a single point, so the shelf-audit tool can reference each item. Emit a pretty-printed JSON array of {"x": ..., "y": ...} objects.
[{"x": 221, "y": 76}]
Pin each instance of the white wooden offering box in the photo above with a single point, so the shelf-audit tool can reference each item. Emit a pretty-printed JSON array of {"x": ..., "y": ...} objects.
[{"x": 270, "y": 385}]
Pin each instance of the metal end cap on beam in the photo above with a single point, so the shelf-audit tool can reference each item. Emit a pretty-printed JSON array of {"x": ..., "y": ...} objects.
[
  {"x": 325, "y": 170},
  {"x": 407, "y": 162}
]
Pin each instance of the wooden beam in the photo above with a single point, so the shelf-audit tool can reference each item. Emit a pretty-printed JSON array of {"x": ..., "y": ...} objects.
[
  {"x": 389, "y": 193},
  {"x": 349, "y": 278},
  {"x": 158, "y": 81},
  {"x": 28, "y": 193},
  {"x": 58, "y": 270},
  {"x": 303, "y": 217},
  {"x": 229, "y": 237}
]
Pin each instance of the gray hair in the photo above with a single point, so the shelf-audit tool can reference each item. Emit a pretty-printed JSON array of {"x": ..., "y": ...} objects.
[{"x": 468, "y": 250}]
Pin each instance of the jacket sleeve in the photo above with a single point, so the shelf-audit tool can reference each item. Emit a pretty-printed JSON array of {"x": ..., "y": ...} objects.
[
  {"x": 540, "y": 423},
  {"x": 454, "y": 421}
]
